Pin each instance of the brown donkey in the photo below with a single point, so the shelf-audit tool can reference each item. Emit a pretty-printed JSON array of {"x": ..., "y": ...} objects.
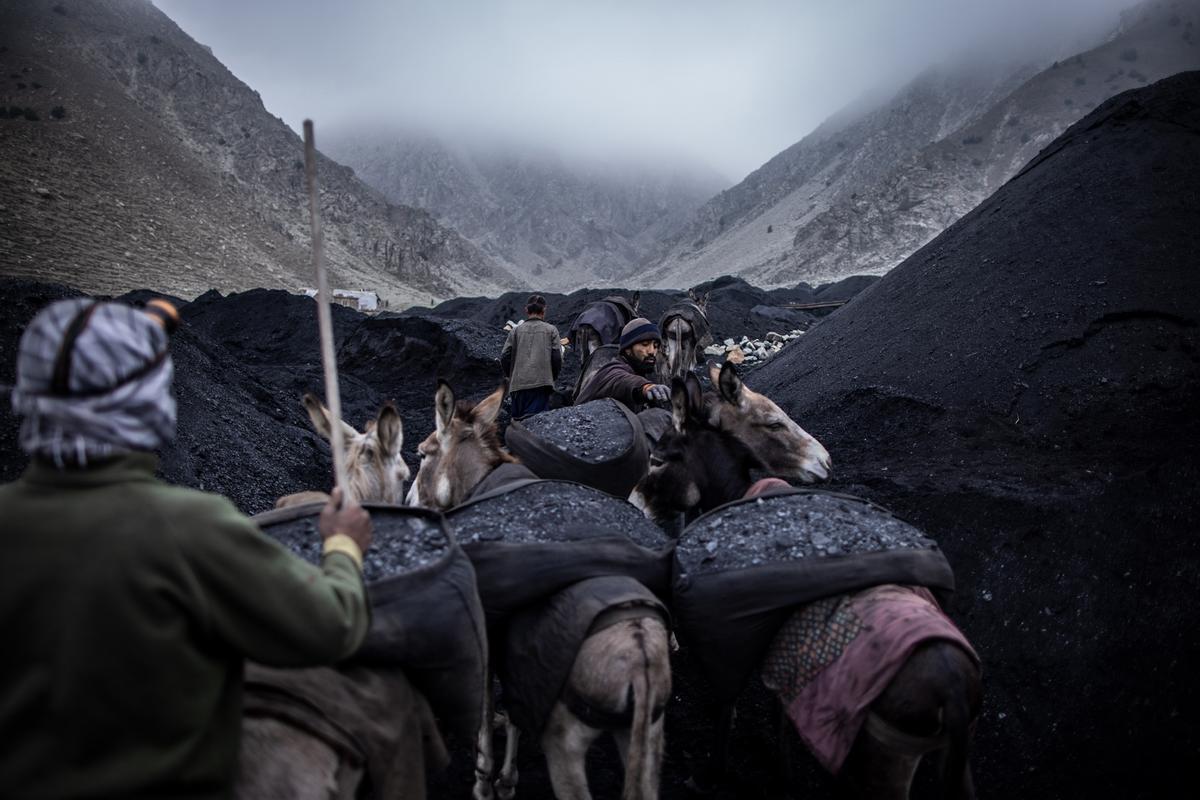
[
  {"x": 787, "y": 450},
  {"x": 375, "y": 470},
  {"x": 628, "y": 659},
  {"x": 931, "y": 701}
]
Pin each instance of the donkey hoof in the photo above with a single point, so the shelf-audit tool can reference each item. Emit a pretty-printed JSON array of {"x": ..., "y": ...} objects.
[
  {"x": 506, "y": 788},
  {"x": 482, "y": 790}
]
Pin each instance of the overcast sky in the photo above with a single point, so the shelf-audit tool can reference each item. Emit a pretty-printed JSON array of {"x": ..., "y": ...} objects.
[{"x": 729, "y": 82}]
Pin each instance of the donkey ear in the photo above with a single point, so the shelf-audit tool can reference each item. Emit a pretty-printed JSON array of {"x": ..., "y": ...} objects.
[
  {"x": 635, "y": 301},
  {"x": 730, "y": 384},
  {"x": 679, "y": 404},
  {"x": 443, "y": 407},
  {"x": 714, "y": 373},
  {"x": 488, "y": 409},
  {"x": 321, "y": 419},
  {"x": 389, "y": 429}
]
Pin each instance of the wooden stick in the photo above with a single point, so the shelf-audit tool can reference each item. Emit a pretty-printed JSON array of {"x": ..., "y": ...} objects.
[{"x": 324, "y": 318}]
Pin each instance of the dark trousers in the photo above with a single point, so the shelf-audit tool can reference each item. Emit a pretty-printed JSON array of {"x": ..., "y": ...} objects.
[{"x": 527, "y": 402}]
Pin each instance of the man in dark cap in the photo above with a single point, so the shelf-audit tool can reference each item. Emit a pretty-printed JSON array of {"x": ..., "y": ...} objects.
[
  {"x": 531, "y": 358},
  {"x": 127, "y": 605},
  {"x": 630, "y": 378}
]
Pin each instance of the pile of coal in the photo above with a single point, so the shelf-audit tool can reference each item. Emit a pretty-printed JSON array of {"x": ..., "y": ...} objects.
[
  {"x": 404, "y": 540},
  {"x": 552, "y": 511},
  {"x": 593, "y": 432},
  {"x": 792, "y": 527}
]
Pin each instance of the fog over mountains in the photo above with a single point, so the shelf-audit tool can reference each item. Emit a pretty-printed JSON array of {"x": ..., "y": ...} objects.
[
  {"x": 556, "y": 223},
  {"x": 865, "y": 190},
  {"x": 856, "y": 196},
  {"x": 131, "y": 157}
]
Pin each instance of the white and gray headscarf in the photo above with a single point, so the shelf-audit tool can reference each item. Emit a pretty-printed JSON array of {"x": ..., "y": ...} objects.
[{"x": 93, "y": 381}]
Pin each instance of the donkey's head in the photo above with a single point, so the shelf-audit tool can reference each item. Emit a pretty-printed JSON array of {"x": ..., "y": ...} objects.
[
  {"x": 695, "y": 465},
  {"x": 461, "y": 451},
  {"x": 786, "y": 449},
  {"x": 374, "y": 468}
]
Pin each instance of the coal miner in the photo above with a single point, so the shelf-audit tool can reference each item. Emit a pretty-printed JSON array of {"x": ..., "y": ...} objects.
[
  {"x": 531, "y": 358},
  {"x": 630, "y": 378},
  {"x": 127, "y": 605}
]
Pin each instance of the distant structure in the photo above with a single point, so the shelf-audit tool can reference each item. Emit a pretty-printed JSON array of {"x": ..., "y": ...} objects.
[{"x": 361, "y": 300}]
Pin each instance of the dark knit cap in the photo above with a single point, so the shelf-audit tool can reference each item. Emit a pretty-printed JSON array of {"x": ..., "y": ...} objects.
[{"x": 638, "y": 330}]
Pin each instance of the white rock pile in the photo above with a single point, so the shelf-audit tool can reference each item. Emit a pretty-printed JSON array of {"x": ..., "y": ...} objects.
[{"x": 752, "y": 351}]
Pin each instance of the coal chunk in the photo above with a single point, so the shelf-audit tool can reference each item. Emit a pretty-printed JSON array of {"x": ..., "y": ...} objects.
[
  {"x": 594, "y": 432},
  {"x": 791, "y": 527},
  {"x": 402, "y": 541},
  {"x": 552, "y": 511}
]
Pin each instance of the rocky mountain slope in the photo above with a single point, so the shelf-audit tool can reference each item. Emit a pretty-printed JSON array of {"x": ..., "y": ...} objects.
[
  {"x": 556, "y": 224},
  {"x": 130, "y": 157},
  {"x": 864, "y": 191}
]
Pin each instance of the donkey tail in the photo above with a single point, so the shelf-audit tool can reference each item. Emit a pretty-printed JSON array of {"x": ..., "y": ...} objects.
[
  {"x": 641, "y": 780},
  {"x": 957, "y": 720}
]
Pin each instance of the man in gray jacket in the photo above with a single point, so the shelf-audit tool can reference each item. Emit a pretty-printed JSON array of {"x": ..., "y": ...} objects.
[{"x": 532, "y": 358}]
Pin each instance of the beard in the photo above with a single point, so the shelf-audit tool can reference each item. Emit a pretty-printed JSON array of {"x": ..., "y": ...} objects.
[{"x": 646, "y": 365}]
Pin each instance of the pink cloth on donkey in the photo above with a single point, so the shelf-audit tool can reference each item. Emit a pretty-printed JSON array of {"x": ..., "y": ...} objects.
[{"x": 834, "y": 657}]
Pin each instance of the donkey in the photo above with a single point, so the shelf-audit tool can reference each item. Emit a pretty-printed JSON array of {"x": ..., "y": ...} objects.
[
  {"x": 375, "y": 470},
  {"x": 621, "y": 665},
  {"x": 600, "y": 323},
  {"x": 685, "y": 332},
  {"x": 786, "y": 449},
  {"x": 931, "y": 702}
]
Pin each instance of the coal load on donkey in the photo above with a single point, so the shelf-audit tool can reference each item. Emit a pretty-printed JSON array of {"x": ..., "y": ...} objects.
[
  {"x": 743, "y": 568},
  {"x": 533, "y": 538},
  {"x": 599, "y": 444},
  {"x": 550, "y": 557},
  {"x": 425, "y": 614}
]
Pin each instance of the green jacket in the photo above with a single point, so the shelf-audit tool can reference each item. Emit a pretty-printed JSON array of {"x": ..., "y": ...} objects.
[{"x": 127, "y": 607}]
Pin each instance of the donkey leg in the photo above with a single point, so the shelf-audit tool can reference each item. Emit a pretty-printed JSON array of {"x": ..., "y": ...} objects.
[
  {"x": 565, "y": 743},
  {"x": 506, "y": 783},
  {"x": 928, "y": 706},
  {"x": 874, "y": 772},
  {"x": 485, "y": 761}
]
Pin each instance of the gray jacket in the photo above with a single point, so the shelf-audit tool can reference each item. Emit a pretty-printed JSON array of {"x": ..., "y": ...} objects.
[{"x": 532, "y": 355}]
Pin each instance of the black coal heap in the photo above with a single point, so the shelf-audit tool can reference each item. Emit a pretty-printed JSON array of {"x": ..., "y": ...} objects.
[{"x": 1024, "y": 389}]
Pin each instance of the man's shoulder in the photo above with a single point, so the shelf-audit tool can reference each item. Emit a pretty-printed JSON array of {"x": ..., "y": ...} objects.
[
  {"x": 184, "y": 503},
  {"x": 616, "y": 365}
]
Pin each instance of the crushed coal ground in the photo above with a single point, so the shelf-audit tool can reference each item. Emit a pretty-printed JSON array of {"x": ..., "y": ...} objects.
[
  {"x": 553, "y": 511},
  {"x": 1023, "y": 390},
  {"x": 791, "y": 527},
  {"x": 594, "y": 432}
]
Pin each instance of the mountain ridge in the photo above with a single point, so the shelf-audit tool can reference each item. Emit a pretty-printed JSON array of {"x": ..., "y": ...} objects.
[
  {"x": 868, "y": 225},
  {"x": 165, "y": 171}
]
